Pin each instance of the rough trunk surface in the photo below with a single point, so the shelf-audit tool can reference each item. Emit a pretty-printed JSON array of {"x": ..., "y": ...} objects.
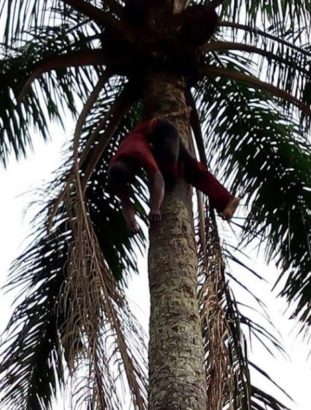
[{"x": 177, "y": 379}]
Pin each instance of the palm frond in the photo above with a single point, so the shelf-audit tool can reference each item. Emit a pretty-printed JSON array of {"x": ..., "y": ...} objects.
[
  {"x": 112, "y": 340},
  {"x": 71, "y": 59},
  {"x": 280, "y": 61},
  {"x": 55, "y": 90},
  {"x": 20, "y": 16},
  {"x": 264, "y": 36},
  {"x": 277, "y": 54},
  {"x": 92, "y": 12},
  {"x": 227, "y": 364},
  {"x": 267, "y": 159},
  {"x": 96, "y": 311},
  {"x": 103, "y": 18},
  {"x": 215, "y": 326},
  {"x": 281, "y": 72},
  {"x": 211, "y": 71},
  {"x": 31, "y": 365},
  {"x": 284, "y": 17}
]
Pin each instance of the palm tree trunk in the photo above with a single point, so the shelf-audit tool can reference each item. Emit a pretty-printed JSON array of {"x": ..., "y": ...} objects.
[{"x": 176, "y": 359}]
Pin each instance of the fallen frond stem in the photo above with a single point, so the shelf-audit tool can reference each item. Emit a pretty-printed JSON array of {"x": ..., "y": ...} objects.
[
  {"x": 77, "y": 135},
  {"x": 196, "y": 126},
  {"x": 198, "y": 137},
  {"x": 201, "y": 223},
  {"x": 264, "y": 34},
  {"x": 254, "y": 82},
  {"x": 227, "y": 45},
  {"x": 215, "y": 326},
  {"x": 71, "y": 59},
  {"x": 82, "y": 117}
]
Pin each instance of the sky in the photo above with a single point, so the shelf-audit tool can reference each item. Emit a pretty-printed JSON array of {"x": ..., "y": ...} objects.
[{"x": 16, "y": 182}]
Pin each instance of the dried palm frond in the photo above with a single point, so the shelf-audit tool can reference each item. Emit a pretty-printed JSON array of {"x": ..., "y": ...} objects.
[
  {"x": 226, "y": 357},
  {"x": 97, "y": 319},
  {"x": 91, "y": 300},
  {"x": 215, "y": 325}
]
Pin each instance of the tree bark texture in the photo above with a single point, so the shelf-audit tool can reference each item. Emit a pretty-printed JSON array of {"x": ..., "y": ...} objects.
[{"x": 176, "y": 359}]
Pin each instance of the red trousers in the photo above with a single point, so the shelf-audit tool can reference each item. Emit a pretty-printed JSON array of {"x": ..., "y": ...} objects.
[
  {"x": 197, "y": 175},
  {"x": 136, "y": 149}
]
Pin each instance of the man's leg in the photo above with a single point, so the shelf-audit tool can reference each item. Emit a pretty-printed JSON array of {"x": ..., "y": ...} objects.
[
  {"x": 165, "y": 148},
  {"x": 156, "y": 182},
  {"x": 120, "y": 176},
  {"x": 170, "y": 153},
  {"x": 157, "y": 189},
  {"x": 198, "y": 175}
]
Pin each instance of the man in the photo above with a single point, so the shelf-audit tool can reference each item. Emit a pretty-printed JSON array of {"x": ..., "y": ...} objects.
[{"x": 155, "y": 146}]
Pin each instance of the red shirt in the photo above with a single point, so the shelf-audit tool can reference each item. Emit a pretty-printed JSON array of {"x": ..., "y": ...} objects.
[{"x": 136, "y": 147}]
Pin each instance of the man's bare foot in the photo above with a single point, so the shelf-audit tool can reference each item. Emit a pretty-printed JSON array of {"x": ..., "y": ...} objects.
[
  {"x": 230, "y": 209},
  {"x": 155, "y": 215},
  {"x": 129, "y": 215}
]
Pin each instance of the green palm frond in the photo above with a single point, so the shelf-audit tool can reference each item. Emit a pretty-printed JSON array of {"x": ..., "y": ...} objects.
[
  {"x": 283, "y": 66},
  {"x": 21, "y": 16},
  {"x": 283, "y": 17},
  {"x": 268, "y": 161},
  {"x": 267, "y": 37},
  {"x": 51, "y": 95},
  {"x": 32, "y": 363},
  {"x": 101, "y": 17},
  {"x": 33, "y": 352},
  {"x": 283, "y": 74},
  {"x": 31, "y": 15},
  {"x": 213, "y": 71}
]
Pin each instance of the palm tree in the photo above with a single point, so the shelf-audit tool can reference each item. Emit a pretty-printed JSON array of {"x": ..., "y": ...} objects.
[{"x": 251, "y": 85}]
